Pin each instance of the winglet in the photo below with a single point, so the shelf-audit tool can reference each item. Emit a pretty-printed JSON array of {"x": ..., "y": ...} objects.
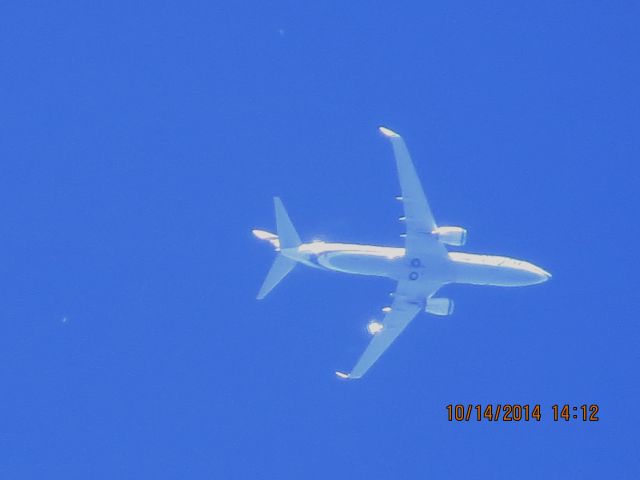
[
  {"x": 342, "y": 375},
  {"x": 388, "y": 133}
]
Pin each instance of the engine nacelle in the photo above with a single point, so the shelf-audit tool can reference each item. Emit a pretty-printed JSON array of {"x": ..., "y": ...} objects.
[
  {"x": 456, "y": 236},
  {"x": 439, "y": 306}
]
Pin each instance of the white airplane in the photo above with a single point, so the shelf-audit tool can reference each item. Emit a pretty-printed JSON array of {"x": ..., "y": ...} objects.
[{"x": 420, "y": 268}]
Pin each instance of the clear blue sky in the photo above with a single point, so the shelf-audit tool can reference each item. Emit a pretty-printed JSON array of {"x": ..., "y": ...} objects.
[{"x": 139, "y": 144}]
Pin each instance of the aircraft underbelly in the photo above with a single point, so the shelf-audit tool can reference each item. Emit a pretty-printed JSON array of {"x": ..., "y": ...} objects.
[
  {"x": 359, "y": 263},
  {"x": 494, "y": 275}
]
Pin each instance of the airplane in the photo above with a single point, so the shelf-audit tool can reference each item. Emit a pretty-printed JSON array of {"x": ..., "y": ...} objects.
[{"x": 420, "y": 269}]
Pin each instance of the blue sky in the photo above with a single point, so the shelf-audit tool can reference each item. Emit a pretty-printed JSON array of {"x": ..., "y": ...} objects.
[{"x": 140, "y": 143}]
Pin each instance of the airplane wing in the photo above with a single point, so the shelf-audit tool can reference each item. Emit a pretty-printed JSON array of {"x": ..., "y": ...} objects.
[
  {"x": 418, "y": 218},
  {"x": 408, "y": 302}
]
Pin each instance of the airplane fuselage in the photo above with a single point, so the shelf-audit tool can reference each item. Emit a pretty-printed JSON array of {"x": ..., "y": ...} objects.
[{"x": 391, "y": 262}]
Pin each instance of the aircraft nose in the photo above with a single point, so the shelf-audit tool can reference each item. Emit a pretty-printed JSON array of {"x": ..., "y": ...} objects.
[
  {"x": 536, "y": 274},
  {"x": 543, "y": 275}
]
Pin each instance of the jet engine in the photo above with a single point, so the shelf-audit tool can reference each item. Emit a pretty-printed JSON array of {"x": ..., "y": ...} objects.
[
  {"x": 439, "y": 306},
  {"x": 456, "y": 236}
]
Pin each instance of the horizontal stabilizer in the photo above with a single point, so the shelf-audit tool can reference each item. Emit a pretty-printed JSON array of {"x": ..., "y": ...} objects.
[
  {"x": 280, "y": 268},
  {"x": 286, "y": 231}
]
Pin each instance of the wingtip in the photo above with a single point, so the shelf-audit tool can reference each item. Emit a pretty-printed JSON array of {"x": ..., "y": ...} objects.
[{"x": 387, "y": 132}]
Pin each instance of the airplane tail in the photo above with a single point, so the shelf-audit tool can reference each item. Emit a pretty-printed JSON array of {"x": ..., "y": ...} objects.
[
  {"x": 287, "y": 238},
  {"x": 286, "y": 231}
]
